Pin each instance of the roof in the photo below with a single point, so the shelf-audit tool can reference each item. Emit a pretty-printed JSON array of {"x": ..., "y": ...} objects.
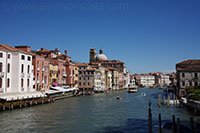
[
  {"x": 10, "y": 48},
  {"x": 111, "y": 61},
  {"x": 189, "y": 62},
  {"x": 81, "y": 64},
  {"x": 191, "y": 68}
]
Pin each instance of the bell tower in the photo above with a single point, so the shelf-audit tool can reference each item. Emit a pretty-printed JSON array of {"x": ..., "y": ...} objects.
[{"x": 92, "y": 55}]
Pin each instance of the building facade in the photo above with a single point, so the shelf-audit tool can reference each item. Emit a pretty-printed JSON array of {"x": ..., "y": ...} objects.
[
  {"x": 188, "y": 75},
  {"x": 16, "y": 70}
]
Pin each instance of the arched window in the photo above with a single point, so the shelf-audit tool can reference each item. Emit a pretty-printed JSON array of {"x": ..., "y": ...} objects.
[
  {"x": 22, "y": 69},
  {"x": 1, "y": 65},
  {"x": 0, "y": 82},
  {"x": 8, "y": 67},
  {"x": 28, "y": 83},
  {"x": 22, "y": 83},
  {"x": 28, "y": 69},
  {"x": 8, "y": 82}
]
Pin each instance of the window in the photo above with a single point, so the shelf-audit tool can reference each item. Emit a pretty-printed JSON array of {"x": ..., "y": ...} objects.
[
  {"x": 190, "y": 83},
  {"x": 23, "y": 57},
  {"x": 79, "y": 78},
  {"x": 8, "y": 67},
  {"x": 196, "y": 75},
  {"x": 29, "y": 58},
  {"x": 196, "y": 83},
  {"x": 88, "y": 78},
  {"x": 28, "y": 70},
  {"x": 183, "y": 75},
  {"x": 0, "y": 82},
  {"x": 37, "y": 64},
  {"x": 1, "y": 55},
  {"x": 8, "y": 56},
  {"x": 183, "y": 83},
  {"x": 8, "y": 82},
  {"x": 79, "y": 83},
  {"x": 22, "y": 68},
  {"x": 22, "y": 83},
  {"x": 28, "y": 83},
  {"x": 1, "y": 64},
  {"x": 88, "y": 83},
  {"x": 84, "y": 84}
]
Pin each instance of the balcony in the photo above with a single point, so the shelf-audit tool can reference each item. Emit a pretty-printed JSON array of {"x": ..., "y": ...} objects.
[
  {"x": 43, "y": 69},
  {"x": 38, "y": 69},
  {"x": 28, "y": 75},
  {"x": 22, "y": 75},
  {"x": 38, "y": 81},
  {"x": 1, "y": 90},
  {"x": 43, "y": 81},
  {"x": 2, "y": 74}
]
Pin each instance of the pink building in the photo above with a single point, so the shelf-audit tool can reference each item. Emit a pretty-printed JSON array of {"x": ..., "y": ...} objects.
[
  {"x": 57, "y": 58},
  {"x": 70, "y": 80}
]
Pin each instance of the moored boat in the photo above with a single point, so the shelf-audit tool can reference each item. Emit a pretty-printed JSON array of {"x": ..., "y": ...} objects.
[{"x": 132, "y": 90}]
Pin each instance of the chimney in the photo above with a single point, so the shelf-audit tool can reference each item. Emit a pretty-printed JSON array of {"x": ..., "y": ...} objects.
[
  {"x": 56, "y": 49},
  {"x": 101, "y": 51},
  {"x": 41, "y": 49},
  {"x": 65, "y": 52}
]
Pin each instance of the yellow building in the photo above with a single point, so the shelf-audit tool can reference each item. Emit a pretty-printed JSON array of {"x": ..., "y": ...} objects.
[
  {"x": 108, "y": 79},
  {"x": 53, "y": 74}
]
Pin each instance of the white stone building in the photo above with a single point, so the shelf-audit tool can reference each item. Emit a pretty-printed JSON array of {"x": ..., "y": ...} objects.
[
  {"x": 147, "y": 80},
  {"x": 16, "y": 70}
]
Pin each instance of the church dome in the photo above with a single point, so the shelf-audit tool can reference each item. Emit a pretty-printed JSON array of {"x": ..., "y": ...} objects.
[{"x": 101, "y": 57}]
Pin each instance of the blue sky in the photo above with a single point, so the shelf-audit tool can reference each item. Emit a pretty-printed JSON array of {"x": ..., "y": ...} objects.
[{"x": 148, "y": 35}]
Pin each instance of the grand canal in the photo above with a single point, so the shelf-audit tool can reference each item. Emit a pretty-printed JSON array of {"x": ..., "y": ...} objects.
[{"x": 97, "y": 113}]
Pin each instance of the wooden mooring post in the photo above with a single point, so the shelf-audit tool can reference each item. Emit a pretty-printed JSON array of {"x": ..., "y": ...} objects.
[
  {"x": 173, "y": 124},
  {"x": 168, "y": 100},
  {"x": 159, "y": 120},
  {"x": 192, "y": 124},
  {"x": 159, "y": 99},
  {"x": 178, "y": 125},
  {"x": 150, "y": 118},
  {"x": 164, "y": 100}
]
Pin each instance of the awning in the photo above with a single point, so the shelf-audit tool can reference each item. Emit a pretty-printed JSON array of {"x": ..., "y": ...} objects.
[{"x": 21, "y": 95}]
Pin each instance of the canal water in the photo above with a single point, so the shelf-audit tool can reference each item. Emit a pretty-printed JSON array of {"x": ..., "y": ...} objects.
[{"x": 100, "y": 113}]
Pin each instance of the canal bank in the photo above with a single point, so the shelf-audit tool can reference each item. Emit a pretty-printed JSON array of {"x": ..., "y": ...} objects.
[{"x": 96, "y": 113}]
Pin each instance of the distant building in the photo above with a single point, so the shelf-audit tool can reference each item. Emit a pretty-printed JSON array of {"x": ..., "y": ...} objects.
[
  {"x": 161, "y": 79},
  {"x": 102, "y": 60},
  {"x": 53, "y": 74},
  {"x": 59, "y": 59},
  {"x": 132, "y": 81},
  {"x": 188, "y": 74},
  {"x": 16, "y": 73},
  {"x": 89, "y": 78},
  {"x": 146, "y": 80}
]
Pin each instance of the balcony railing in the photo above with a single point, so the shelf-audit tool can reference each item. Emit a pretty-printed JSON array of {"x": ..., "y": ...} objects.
[{"x": 22, "y": 75}]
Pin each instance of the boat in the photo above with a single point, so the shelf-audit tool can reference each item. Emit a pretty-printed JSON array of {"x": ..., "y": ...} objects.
[
  {"x": 143, "y": 94},
  {"x": 118, "y": 97},
  {"x": 132, "y": 90}
]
